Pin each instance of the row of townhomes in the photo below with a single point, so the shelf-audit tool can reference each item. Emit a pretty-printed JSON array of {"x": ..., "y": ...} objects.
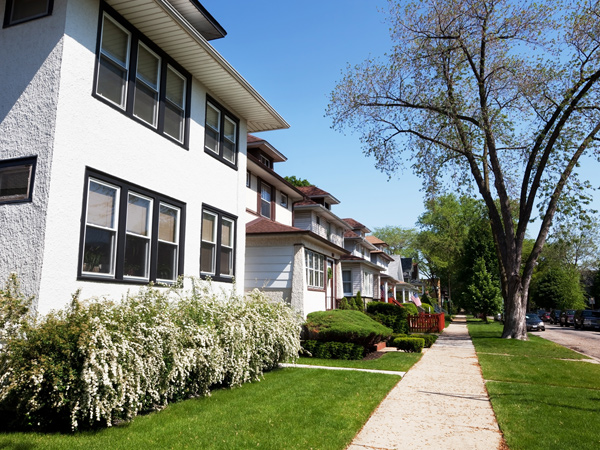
[{"x": 124, "y": 145}]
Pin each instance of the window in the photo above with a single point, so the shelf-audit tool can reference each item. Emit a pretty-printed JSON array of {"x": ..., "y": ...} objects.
[
  {"x": 16, "y": 179},
  {"x": 130, "y": 233},
  {"x": 266, "y": 192},
  {"x": 284, "y": 200},
  {"x": 135, "y": 77},
  {"x": 248, "y": 179},
  {"x": 221, "y": 134},
  {"x": 19, "y": 11},
  {"x": 217, "y": 254},
  {"x": 347, "y": 282},
  {"x": 314, "y": 269},
  {"x": 265, "y": 161},
  {"x": 368, "y": 284}
]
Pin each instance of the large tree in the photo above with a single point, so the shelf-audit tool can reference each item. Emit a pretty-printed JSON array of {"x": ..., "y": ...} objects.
[{"x": 501, "y": 94}]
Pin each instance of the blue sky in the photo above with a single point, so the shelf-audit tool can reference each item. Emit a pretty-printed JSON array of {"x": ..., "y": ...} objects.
[{"x": 293, "y": 53}]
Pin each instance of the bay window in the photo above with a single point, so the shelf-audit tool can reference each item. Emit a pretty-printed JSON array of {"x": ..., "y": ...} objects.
[
  {"x": 314, "y": 269},
  {"x": 136, "y": 77},
  {"x": 217, "y": 252},
  {"x": 129, "y": 233}
]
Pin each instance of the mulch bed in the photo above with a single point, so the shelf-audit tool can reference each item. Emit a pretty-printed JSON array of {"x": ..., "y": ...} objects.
[{"x": 373, "y": 355}]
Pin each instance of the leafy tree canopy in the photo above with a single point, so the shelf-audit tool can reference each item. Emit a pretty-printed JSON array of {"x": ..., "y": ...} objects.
[
  {"x": 495, "y": 96},
  {"x": 298, "y": 182},
  {"x": 402, "y": 241}
]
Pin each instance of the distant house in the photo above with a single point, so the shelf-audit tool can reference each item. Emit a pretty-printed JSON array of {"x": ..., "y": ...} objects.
[
  {"x": 359, "y": 271},
  {"x": 123, "y": 148},
  {"x": 388, "y": 280},
  {"x": 293, "y": 240}
]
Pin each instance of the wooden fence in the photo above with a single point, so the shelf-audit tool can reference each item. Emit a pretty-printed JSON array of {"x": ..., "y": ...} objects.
[{"x": 427, "y": 323}]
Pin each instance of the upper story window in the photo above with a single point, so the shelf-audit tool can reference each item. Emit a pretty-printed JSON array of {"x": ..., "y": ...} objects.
[
  {"x": 217, "y": 254},
  {"x": 266, "y": 194},
  {"x": 284, "y": 200},
  {"x": 248, "y": 179},
  {"x": 16, "y": 179},
  {"x": 130, "y": 233},
  {"x": 135, "y": 77},
  {"x": 265, "y": 161},
  {"x": 221, "y": 133},
  {"x": 19, "y": 11}
]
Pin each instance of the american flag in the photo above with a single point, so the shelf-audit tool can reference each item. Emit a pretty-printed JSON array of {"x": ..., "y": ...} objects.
[{"x": 415, "y": 299}]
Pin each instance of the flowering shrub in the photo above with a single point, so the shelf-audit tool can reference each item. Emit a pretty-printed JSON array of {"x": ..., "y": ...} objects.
[{"x": 99, "y": 362}]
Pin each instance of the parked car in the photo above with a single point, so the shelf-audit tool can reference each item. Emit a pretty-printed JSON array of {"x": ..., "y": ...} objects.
[
  {"x": 555, "y": 316},
  {"x": 566, "y": 317},
  {"x": 545, "y": 316},
  {"x": 534, "y": 323},
  {"x": 586, "y": 318}
]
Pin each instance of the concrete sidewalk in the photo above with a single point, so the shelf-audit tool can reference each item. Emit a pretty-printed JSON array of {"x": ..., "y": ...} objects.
[{"x": 441, "y": 403}]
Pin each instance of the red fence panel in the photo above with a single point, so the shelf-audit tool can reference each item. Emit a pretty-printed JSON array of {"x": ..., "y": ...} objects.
[{"x": 426, "y": 323}]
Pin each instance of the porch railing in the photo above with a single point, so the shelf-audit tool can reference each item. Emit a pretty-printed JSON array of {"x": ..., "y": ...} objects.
[{"x": 426, "y": 323}]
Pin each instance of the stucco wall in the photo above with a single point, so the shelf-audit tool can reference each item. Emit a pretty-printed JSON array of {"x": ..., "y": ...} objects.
[
  {"x": 30, "y": 60},
  {"x": 91, "y": 134}
]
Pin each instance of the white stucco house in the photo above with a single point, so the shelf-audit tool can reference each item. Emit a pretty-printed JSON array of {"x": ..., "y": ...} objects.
[
  {"x": 122, "y": 147},
  {"x": 293, "y": 240}
]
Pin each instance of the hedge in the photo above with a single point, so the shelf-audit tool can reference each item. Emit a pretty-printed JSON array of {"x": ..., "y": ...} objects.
[
  {"x": 333, "y": 350},
  {"x": 411, "y": 345},
  {"x": 344, "y": 326},
  {"x": 390, "y": 315},
  {"x": 99, "y": 362}
]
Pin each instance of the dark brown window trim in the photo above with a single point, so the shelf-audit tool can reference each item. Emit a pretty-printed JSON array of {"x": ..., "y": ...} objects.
[
  {"x": 25, "y": 161},
  {"x": 220, "y": 215},
  {"x": 224, "y": 112},
  {"x": 136, "y": 37},
  {"x": 125, "y": 187},
  {"x": 8, "y": 13},
  {"x": 273, "y": 199}
]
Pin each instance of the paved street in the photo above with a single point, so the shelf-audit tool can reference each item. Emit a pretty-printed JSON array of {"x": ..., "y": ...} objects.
[{"x": 583, "y": 341}]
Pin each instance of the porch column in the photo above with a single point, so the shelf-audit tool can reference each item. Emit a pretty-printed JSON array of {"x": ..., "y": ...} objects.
[{"x": 298, "y": 279}]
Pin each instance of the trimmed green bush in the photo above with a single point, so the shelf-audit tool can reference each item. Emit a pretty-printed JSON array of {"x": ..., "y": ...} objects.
[
  {"x": 358, "y": 302},
  {"x": 345, "y": 326},
  {"x": 411, "y": 308},
  {"x": 343, "y": 304},
  {"x": 390, "y": 315},
  {"x": 334, "y": 350},
  {"x": 410, "y": 345},
  {"x": 100, "y": 362},
  {"x": 428, "y": 338}
]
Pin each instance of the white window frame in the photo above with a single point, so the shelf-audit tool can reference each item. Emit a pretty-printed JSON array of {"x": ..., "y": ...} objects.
[
  {"x": 147, "y": 84},
  {"x": 112, "y": 60},
  {"x": 217, "y": 245},
  {"x": 284, "y": 200},
  {"x": 148, "y": 238},
  {"x": 175, "y": 243},
  {"x": 315, "y": 269},
  {"x": 347, "y": 292}
]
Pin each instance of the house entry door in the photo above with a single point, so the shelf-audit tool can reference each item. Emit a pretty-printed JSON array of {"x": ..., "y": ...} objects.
[{"x": 329, "y": 290}]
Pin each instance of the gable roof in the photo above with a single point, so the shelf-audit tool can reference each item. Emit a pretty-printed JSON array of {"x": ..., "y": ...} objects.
[
  {"x": 315, "y": 192},
  {"x": 169, "y": 25},
  {"x": 356, "y": 225},
  {"x": 375, "y": 240}
]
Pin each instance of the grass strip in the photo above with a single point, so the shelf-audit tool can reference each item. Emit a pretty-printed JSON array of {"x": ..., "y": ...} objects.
[
  {"x": 541, "y": 399},
  {"x": 396, "y": 361},
  {"x": 289, "y": 409}
]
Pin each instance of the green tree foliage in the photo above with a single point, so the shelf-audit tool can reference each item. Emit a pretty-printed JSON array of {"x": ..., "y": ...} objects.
[
  {"x": 402, "y": 241},
  {"x": 444, "y": 228},
  {"x": 298, "y": 182},
  {"x": 482, "y": 294},
  {"x": 495, "y": 96},
  {"x": 557, "y": 286}
]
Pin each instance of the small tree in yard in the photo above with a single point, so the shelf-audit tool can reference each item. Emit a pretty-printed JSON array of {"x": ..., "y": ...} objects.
[
  {"x": 482, "y": 293},
  {"x": 497, "y": 95}
]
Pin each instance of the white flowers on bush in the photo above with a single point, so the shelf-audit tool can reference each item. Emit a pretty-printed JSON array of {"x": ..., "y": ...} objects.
[{"x": 152, "y": 348}]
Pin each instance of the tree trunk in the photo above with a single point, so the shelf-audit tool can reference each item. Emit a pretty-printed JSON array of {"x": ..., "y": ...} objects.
[{"x": 514, "y": 314}]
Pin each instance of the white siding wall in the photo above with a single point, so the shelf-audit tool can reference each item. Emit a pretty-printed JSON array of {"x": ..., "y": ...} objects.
[
  {"x": 90, "y": 133},
  {"x": 252, "y": 195},
  {"x": 30, "y": 58},
  {"x": 283, "y": 215},
  {"x": 314, "y": 301},
  {"x": 269, "y": 267}
]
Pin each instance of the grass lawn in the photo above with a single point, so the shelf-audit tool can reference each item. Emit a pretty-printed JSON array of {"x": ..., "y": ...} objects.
[
  {"x": 289, "y": 409},
  {"x": 541, "y": 400},
  {"x": 397, "y": 361}
]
